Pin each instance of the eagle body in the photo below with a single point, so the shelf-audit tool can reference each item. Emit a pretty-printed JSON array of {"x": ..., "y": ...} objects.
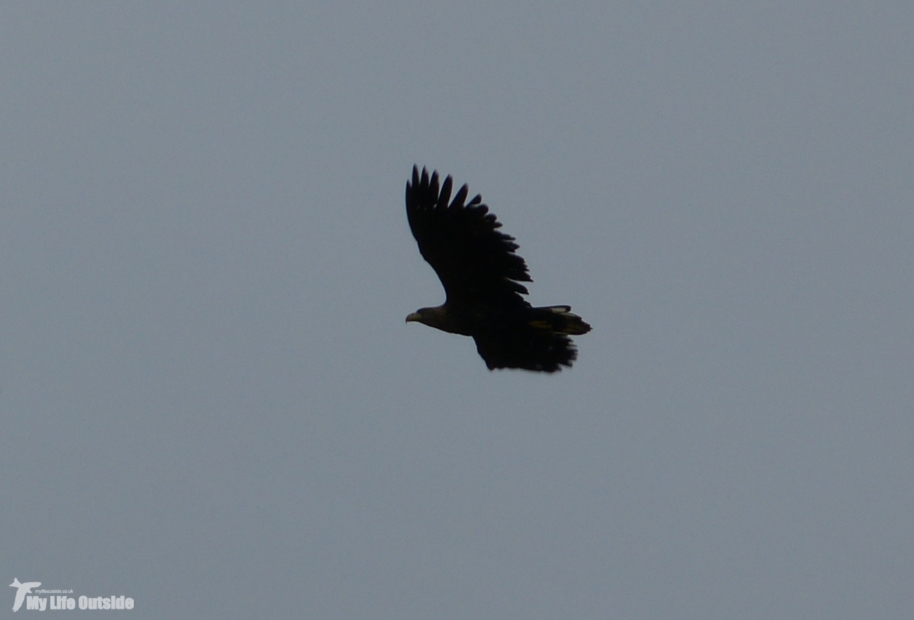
[{"x": 482, "y": 279}]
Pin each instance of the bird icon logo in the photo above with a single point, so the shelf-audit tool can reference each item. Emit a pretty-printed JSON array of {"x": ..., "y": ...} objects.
[{"x": 23, "y": 589}]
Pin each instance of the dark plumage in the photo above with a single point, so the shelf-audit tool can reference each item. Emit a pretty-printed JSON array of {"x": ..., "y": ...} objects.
[{"x": 482, "y": 278}]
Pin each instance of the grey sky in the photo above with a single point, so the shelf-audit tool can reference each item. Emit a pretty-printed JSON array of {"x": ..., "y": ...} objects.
[{"x": 211, "y": 403}]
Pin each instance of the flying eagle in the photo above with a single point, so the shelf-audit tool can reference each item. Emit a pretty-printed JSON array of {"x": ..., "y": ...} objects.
[{"x": 482, "y": 279}]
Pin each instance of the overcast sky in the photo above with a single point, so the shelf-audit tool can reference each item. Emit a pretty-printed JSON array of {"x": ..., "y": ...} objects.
[{"x": 210, "y": 401}]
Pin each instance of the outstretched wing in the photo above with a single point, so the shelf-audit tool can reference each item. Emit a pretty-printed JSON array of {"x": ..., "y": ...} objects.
[{"x": 474, "y": 261}]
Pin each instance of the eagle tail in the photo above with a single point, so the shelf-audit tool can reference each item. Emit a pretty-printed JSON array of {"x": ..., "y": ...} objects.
[{"x": 559, "y": 319}]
